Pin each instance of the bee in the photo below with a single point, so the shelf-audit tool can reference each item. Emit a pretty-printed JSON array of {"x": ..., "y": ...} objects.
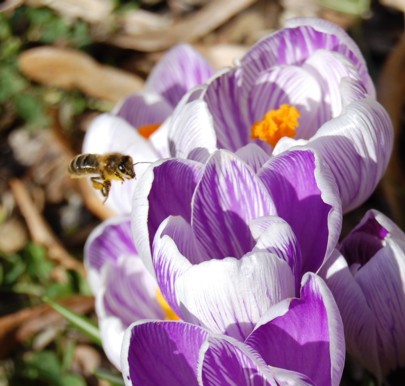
[{"x": 102, "y": 169}]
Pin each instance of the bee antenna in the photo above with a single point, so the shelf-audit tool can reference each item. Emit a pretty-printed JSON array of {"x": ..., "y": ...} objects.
[{"x": 143, "y": 162}]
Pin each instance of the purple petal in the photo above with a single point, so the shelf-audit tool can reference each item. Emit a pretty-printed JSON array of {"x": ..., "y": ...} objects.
[
  {"x": 358, "y": 319},
  {"x": 308, "y": 338},
  {"x": 127, "y": 293},
  {"x": 382, "y": 282},
  {"x": 347, "y": 46},
  {"x": 357, "y": 146},
  {"x": 229, "y": 295},
  {"x": 309, "y": 35},
  {"x": 367, "y": 238},
  {"x": 223, "y": 98},
  {"x": 274, "y": 235},
  {"x": 330, "y": 68},
  {"x": 165, "y": 189},
  {"x": 191, "y": 128},
  {"x": 175, "y": 248},
  {"x": 105, "y": 244},
  {"x": 228, "y": 362},
  {"x": 227, "y": 198},
  {"x": 305, "y": 196},
  {"x": 161, "y": 353},
  {"x": 142, "y": 109},
  {"x": 289, "y": 85},
  {"x": 253, "y": 155},
  {"x": 178, "y": 71}
]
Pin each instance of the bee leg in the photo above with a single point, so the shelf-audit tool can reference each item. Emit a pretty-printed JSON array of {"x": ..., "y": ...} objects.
[
  {"x": 97, "y": 183},
  {"x": 105, "y": 190}
]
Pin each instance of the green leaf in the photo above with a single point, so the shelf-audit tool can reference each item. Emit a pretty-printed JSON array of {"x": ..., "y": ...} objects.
[
  {"x": 44, "y": 365},
  {"x": 105, "y": 375},
  {"x": 11, "y": 82},
  {"x": 80, "y": 322},
  {"x": 72, "y": 380},
  {"x": 37, "y": 263}
]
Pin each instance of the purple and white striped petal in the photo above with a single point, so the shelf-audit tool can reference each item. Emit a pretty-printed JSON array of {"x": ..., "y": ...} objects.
[
  {"x": 253, "y": 155},
  {"x": 125, "y": 291},
  {"x": 227, "y": 198},
  {"x": 169, "y": 185},
  {"x": 191, "y": 129},
  {"x": 105, "y": 244},
  {"x": 228, "y": 362},
  {"x": 330, "y": 68},
  {"x": 310, "y": 35},
  {"x": 305, "y": 196},
  {"x": 161, "y": 353},
  {"x": 346, "y": 45},
  {"x": 223, "y": 99},
  {"x": 358, "y": 319},
  {"x": 360, "y": 152},
  {"x": 274, "y": 235},
  {"x": 229, "y": 296},
  {"x": 177, "y": 72},
  {"x": 308, "y": 338},
  {"x": 142, "y": 109},
  {"x": 368, "y": 237}
]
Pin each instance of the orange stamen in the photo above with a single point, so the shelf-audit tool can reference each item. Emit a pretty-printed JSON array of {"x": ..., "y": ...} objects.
[
  {"x": 147, "y": 130},
  {"x": 277, "y": 124}
]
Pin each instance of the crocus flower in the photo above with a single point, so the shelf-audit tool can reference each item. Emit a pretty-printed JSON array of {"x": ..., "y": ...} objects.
[
  {"x": 367, "y": 279},
  {"x": 134, "y": 127},
  {"x": 125, "y": 291},
  {"x": 306, "y": 85},
  {"x": 298, "y": 342},
  {"x": 228, "y": 239}
]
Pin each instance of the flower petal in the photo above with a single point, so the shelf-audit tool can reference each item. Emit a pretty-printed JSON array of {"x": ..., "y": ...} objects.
[
  {"x": 229, "y": 295},
  {"x": 191, "y": 129},
  {"x": 228, "y": 362},
  {"x": 161, "y": 353},
  {"x": 310, "y": 35},
  {"x": 358, "y": 319},
  {"x": 165, "y": 189},
  {"x": 227, "y": 198},
  {"x": 276, "y": 236},
  {"x": 178, "y": 71},
  {"x": 253, "y": 155},
  {"x": 346, "y": 45},
  {"x": 142, "y": 109},
  {"x": 105, "y": 244},
  {"x": 308, "y": 338},
  {"x": 108, "y": 133},
  {"x": 330, "y": 68},
  {"x": 382, "y": 282},
  {"x": 223, "y": 98},
  {"x": 357, "y": 146},
  {"x": 173, "y": 241},
  {"x": 300, "y": 184}
]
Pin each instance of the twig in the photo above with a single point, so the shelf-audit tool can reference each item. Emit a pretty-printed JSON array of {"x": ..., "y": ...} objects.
[
  {"x": 20, "y": 325},
  {"x": 39, "y": 229}
]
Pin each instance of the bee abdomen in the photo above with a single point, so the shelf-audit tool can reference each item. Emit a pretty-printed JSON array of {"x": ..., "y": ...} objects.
[{"x": 84, "y": 164}]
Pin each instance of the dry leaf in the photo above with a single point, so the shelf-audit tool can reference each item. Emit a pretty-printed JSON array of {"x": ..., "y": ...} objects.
[
  {"x": 187, "y": 29},
  {"x": 92, "y": 11},
  {"x": 69, "y": 69}
]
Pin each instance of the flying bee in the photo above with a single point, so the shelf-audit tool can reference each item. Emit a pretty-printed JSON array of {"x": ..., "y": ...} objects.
[{"x": 102, "y": 169}]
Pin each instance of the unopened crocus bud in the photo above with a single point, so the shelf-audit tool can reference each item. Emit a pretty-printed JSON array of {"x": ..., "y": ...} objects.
[{"x": 367, "y": 279}]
